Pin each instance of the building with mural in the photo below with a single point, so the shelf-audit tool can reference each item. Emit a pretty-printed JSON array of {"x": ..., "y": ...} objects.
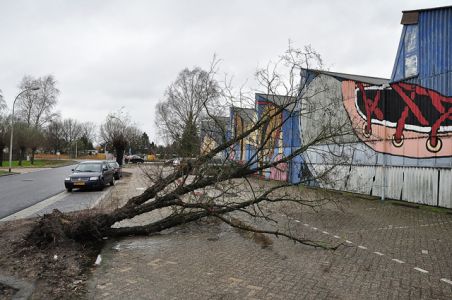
[
  {"x": 283, "y": 134},
  {"x": 402, "y": 142},
  {"x": 214, "y": 132},
  {"x": 386, "y": 137}
]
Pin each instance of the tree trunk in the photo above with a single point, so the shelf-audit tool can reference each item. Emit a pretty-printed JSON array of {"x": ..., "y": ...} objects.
[
  {"x": 1, "y": 154},
  {"x": 119, "y": 155},
  {"x": 32, "y": 159},
  {"x": 21, "y": 155}
]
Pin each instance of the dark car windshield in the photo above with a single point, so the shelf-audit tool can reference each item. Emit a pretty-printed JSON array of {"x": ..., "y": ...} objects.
[{"x": 89, "y": 167}]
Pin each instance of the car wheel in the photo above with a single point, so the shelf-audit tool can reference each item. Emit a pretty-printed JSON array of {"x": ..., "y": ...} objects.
[
  {"x": 102, "y": 185},
  {"x": 112, "y": 182},
  {"x": 69, "y": 190}
]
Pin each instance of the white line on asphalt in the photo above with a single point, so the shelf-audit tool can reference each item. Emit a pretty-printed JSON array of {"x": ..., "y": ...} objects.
[
  {"x": 348, "y": 242},
  {"x": 298, "y": 221},
  {"x": 362, "y": 247},
  {"x": 306, "y": 224},
  {"x": 398, "y": 261},
  {"x": 378, "y": 253},
  {"x": 315, "y": 228},
  {"x": 446, "y": 280},
  {"x": 34, "y": 208},
  {"x": 325, "y": 232},
  {"x": 420, "y": 270},
  {"x": 336, "y": 236}
]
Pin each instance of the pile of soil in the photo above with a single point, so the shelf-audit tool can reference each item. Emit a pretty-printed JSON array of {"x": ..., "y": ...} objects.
[{"x": 58, "y": 271}]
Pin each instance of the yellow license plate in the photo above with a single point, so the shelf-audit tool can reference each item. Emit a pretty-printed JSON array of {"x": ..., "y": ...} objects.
[{"x": 79, "y": 183}]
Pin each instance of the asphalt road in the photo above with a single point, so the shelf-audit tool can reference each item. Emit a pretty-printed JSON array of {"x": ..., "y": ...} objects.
[{"x": 18, "y": 192}]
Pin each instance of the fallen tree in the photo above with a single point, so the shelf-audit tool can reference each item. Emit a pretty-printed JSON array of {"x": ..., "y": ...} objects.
[{"x": 201, "y": 187}]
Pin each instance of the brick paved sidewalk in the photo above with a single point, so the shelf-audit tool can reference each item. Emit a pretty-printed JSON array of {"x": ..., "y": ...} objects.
[{"x": 389, "y": 252}]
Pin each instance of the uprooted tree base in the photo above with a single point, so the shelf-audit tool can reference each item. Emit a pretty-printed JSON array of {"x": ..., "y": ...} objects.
[
  {"x": 57, "y": 227},
  {"x": 57, "y": 270}
]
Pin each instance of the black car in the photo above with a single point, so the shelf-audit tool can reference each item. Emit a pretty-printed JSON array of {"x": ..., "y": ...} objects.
[
  {"x": 117, "y": 168},
  {"x": 134, "y": 159},
  {"x": 90, "y": 174}
]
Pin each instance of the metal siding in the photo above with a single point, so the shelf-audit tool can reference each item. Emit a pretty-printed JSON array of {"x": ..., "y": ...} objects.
[
  {"x": 435, "y": 48},
  {"x": 394, "y": 183},
  {"x": 420, "y": 185},
  {"x": 360, "y": 179},
  {"x": 445, "y": 188}
]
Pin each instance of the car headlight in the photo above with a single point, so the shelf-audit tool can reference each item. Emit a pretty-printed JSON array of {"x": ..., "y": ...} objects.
[
  {"x": 67, "y": 179},
  {"x": 94, "y": 178}
]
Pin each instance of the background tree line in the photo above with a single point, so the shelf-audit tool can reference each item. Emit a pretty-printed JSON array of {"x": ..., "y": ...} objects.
[{"x": 39, "y": 126}]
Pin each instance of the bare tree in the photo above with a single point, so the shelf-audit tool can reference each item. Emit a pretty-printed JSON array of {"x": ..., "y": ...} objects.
[
  {"x": 184, "y": 104},
  {"x": 216, "y": 184},
  {"x": 35, "y": 140},
  {"x": 54, "y": 135},
  {"x": 21, "y": 139},
  {"x": 116, "y": 131},
  {"x": 72, "y": 131},
  {"x": 36, "y": 108},
  {"x": 88, "y": 135}
]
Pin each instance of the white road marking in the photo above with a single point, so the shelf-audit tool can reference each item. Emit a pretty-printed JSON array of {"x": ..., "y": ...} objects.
[
  {"x": 336, "y": 236},
  {"x": 362, "y": 247},
  {"x": 306, "y": 224},
  {"x": 140, "y": 188},
  {"x": 298, "y": 221},
  {"x": 420, "y": 270},
  {"x": 348, "y": 242},
  {"x": 315, "y": 228},
  {"x": 424, "y": 251},
  {"x": 325, "y": 232},
  {"x": 446, "y": 280},
  {"x": 378, "y": 253},
  {"x": 398, "y": 261}
]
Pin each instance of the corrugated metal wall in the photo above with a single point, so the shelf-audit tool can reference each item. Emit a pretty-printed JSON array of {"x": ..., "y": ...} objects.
[
  {"x": 434, "y": 50},
  {"x": 429, "y": 186}
]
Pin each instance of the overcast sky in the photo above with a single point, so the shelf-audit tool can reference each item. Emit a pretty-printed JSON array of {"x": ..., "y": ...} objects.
[{"x": 108, "y": 54}]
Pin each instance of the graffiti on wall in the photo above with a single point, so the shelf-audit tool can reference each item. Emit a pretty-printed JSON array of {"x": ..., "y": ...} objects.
[{"x": 404, "y": 120}]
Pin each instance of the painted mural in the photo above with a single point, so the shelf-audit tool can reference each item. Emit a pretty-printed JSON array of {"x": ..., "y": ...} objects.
[
  {"x": 242, "y": 119},
  {"x": 416, "y": 121},
  {"x": 280, "y": 137},
  {"x": 213, "y": 133}
]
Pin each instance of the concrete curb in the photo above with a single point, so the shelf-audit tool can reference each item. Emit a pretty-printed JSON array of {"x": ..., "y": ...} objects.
[{"x": 24, "y": 289}]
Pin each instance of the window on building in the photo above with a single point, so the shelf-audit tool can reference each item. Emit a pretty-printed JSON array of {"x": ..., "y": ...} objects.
[{"x": 411, "y": 51}]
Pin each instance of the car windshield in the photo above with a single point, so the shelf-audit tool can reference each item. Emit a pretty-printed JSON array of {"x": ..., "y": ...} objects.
[{"x": 89, "y": 167}]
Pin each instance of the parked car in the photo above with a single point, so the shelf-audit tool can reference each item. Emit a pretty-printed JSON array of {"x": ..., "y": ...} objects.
[
  {"x": 134, "y": 159},
  {"x": 90, "y": 174},
  {"x": 117, "y": 168},
  {"x": 176, "y": 162}
]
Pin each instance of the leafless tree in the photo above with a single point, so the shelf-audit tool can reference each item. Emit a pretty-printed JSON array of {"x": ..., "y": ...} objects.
[
  {"x": 54, "y": 135},
  {"x": 21, "y": 139},
  {"x": 215, "y": 184},
  {"x": 36, "y": 108},
  {"x": 72, "y": 131},
  {"x": 116, "y": 131},
  {"x": 184, "y": 104},
  {"x": 35, "y": 140},
  {"x": 88, "y": 135}
]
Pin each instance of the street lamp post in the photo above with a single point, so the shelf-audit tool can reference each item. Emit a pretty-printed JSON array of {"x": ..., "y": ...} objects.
[{"x": 12, "y": 125}]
